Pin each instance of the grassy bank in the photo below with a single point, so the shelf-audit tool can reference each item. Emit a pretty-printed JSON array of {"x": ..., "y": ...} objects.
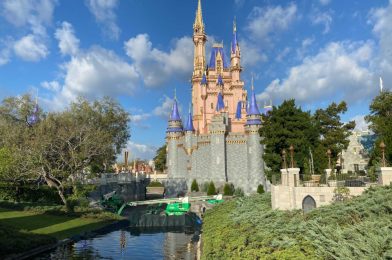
[
  {"x": 27, "y": 229},
  {"x": 247, "y": 228}
]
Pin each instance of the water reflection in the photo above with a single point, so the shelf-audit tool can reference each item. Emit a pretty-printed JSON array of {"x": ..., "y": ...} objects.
[{"x": 130, "y": 244}]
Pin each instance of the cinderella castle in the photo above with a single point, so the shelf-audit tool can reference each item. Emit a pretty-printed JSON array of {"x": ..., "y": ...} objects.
[{"x": 219, "y": 141}]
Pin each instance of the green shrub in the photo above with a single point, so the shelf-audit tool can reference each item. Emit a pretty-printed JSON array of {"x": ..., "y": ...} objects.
[
  {"x": 194, "y": 186},
  {"x": 238, "y": 192},
  {"x": 228, "y": 189},
  {"x": 155, "y": 184},
  {"x": 260, "y": 189},
  {"x": 211, "y": 189}
]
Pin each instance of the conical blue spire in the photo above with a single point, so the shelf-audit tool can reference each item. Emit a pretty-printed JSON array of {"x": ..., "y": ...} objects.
[
  {"x": 189, "y": 122},
  {"x": 238, "y": 112},
  {"x": 253, "y": 113},
  {"x": 175, "y": 116},
  {"x": 220, "y": 80},
  {"x": 175, "y": 124},
  {"x": 234, "y": 41},
  {"x": 220, "y": 105},
  {"x": 204, "y": 80}
]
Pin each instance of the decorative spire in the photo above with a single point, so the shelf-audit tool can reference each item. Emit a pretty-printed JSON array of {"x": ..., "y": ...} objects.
[
  {"x": 175, "y": 116},
  {"x": 234, "y": 41},
  {"x": 253, "y": 113},
  {"x": 199, "y": 18},
  {"x": 238, "y": 112},
  {"x": 220, "y": 80},
  {"x": 220, "y": 105},
  {"x": 175, "y": 124},
  {"x": 203, "y": 80},
  {"x": 189, "y": 123}
]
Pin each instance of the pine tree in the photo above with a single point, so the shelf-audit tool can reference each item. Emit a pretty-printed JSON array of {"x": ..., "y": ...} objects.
[
  {"x": 211, "y": 189},
  {"x": 228, "y": 189},
  {"x": 260, "y": 189},
  {"x": 194, "y": 186}
]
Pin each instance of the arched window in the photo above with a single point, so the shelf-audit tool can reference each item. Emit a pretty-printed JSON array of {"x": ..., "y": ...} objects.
[{"x": 308, "y": 204}]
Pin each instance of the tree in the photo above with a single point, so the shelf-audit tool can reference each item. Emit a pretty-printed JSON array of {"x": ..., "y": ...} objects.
[
  {"x": 62, "y": 145},
  {"x": 380, "y": 119},
  {"x": 211, "y": 189},
  {"x": 334, "y": 134},
  {"x": 260, "y": 189},
  {"x": 228, "y": 189},
  {"x": 160, "y": 159},
  {"x": 284, "y": 126},
  {"x": 194, "y": 186}
]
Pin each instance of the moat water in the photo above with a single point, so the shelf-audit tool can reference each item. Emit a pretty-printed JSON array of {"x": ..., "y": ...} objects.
[{"x": 130, "y": 244}]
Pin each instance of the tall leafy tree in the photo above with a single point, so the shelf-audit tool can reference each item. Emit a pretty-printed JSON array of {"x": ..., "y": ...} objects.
[
  {"x": 380, "y": 119},
  {"x": 60, "y": 146},
  {"x": 284, "y": 126},
  {"x": 333, "y": 132},
  {"x": 160, "y": 159}
]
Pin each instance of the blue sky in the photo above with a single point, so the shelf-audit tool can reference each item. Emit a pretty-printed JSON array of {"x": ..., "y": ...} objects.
[{"x": 139, "y": 51}]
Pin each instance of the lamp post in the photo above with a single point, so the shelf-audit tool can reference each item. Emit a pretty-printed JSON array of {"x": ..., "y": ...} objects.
[
  {"x": 329, "y": 158},
  {"x": 291, "y": 156},
  {"x": 284, "y": 159},
  {"x": 382, "y": 146}
]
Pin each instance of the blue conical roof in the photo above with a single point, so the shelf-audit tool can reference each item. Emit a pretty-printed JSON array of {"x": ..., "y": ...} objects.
[
  {"x": 175, "y": 116},
  {"x": 238, "y": 112},
  {"x": 220, "y": 105},
  {"x": 189, "y": 123},
  {"x": 253, "y": 108},
  {"x": 204, "y": 80},
  {"x": 220, "y": 80}
]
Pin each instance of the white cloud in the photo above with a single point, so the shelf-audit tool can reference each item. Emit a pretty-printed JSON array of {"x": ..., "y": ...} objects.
[
  {"x": 141, "y": 151},
  {"x": 270, "y": 20},
  {"x": 5, "y": 50},
  {"x": 164, "y": 109},
  {"x": 51, "y": 85},
  {"x": 103, "y": 11},
  {"x": 325, "y": 2},
  {"x": 324, "y": 18},
  {"x": 360, "y": 123},
  {"x": 251, "y": 54},
  {"x": 381, "y": 18},
  {"x": 31, "y": 48},
  {"x": 68, "y": 42},
  {"x": 304, "y": 47},
  {"x": 157, "y": 66},
  {"x": 339, "y": 71},
  {"x": 283, "y": 54}
]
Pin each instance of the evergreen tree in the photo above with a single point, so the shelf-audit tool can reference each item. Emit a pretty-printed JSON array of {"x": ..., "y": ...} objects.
[
  {"x": 333, "y": 133},
  {"x": 260, "y": 189},
  {"x": 211, "y": 189},
  {"x": 160, "y": 159},
  {"x": 380, "y": 119},
  {"x": 228, "y": 189},
  {"x": 287, "y": 125},
  {"x": 194, "y": 186}
]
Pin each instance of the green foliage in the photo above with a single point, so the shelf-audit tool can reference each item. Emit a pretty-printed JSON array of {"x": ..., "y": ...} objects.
[
  {"x": 238, "y": 192},
  {"x": 334, "y": 132},
  {"x": 380, "y": 119},
  {"x": 247, "y": 228},
  {"x": 260, "y": 189},
  {"x": 160, "y": 159},
  {"x": 155, "y": 184},
  {"x": 211, "y": 189},
  {"x": 28, "y": 193},
  {"x": 194, "y": 186},
  {"x": 287, "y": 125},
  {"x": 228, "y": 189},
  {"x": 341, "y": 194}
]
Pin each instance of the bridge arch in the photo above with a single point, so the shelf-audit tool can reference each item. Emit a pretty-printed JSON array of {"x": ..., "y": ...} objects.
[{"x": 308, "y": 203}]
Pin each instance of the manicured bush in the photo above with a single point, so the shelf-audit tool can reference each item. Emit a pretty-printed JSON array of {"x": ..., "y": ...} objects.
[
  {"x": 238, "y": 192},
  {"x": 228, "y": 189},
  {"x": 194, "y": 186},
  {"x": 211, "y": 189},
  {"x": 247, "y": 228},
  {"x": 260, "y": 189}
]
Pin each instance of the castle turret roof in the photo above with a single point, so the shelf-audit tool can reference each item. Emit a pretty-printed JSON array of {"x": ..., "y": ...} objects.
[
  {"x": 214, "y": 52},
  {"x": 203, "y": 80},
  {"x": 220, "y": 105},
  {"x": 220, "y": 81},
  {"x": 175, "y": 116},
  {"x": 238, "y": 112},
  {"x": 189, "y": 123},
  {"x": 253, "y": 113}
]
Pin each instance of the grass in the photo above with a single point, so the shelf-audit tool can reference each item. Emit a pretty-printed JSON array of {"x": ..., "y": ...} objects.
[{"x": 23, "y": 230}]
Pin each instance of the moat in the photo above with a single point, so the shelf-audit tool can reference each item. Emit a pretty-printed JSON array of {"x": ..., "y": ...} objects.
[{"x": 130, "y": 244}]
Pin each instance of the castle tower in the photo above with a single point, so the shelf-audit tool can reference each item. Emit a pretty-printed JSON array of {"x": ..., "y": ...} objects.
[
  {"x": 255, "y": 149},
  {"x": 173, "y": 133},
  {"x": 199, "y": 39}
]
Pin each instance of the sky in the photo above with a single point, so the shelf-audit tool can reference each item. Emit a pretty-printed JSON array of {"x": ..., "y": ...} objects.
[{"x": 140, "y": 51}]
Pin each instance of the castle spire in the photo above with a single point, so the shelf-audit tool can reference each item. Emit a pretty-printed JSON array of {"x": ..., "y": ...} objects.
[
  {"x": 199, "y": 18},
  {"x": 234, "y": 41},
  {"x": 189, "y": 123},
  {"x": 253, "y": 113},
  {"x": 220, "y": 105}
]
